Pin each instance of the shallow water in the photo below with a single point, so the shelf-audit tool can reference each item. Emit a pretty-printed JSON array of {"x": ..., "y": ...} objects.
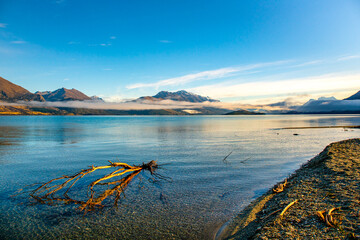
[{"x": 205, "y": 192}]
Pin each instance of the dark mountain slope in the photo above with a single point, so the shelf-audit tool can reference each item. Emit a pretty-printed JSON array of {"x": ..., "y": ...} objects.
[
  {"x": 356, "y": 96},
  {"x": 64, "y": 94},
  {"x": 12, "y": 92}
]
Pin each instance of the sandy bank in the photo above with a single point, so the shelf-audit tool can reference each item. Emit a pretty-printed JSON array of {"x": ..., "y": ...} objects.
[{"x": 329, "y": 180}]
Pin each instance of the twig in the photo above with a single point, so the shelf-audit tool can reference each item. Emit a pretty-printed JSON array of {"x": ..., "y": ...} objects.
[
  {"x": 271, "y": 214},
  {"x": 246, "y": 159},
  {"x": 224, "y": 160},
  {"x": 287, "y": 207}
]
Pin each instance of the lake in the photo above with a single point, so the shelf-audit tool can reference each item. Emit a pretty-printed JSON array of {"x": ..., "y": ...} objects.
[{"x": 205, "y": 190}]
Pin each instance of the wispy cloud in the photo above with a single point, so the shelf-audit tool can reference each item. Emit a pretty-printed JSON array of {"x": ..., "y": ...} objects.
[
  {"x": 3, "y": 25},
  {"x": 287, "y": 87},
  {"x": 112, "y": 37},
  {"x": 73, "y": 43},
  {"x": 165, "y": 41},
  {"x": 205, "y": 75},
  {"x": 348, "y": 57},
  {"x": 100, "y": 44},
  {"x": 107, "y": 69},
  {"x": 187, "y": 78},
  {"x": 10, "y": 51},
  {"x": 18, "y": 42},
  {"x": 309, "y": 63}
]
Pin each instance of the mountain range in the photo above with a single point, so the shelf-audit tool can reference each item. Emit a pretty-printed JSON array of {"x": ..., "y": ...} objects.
[
  {"x": 12, "y": 93},
  {"x": 331, "y": 105}
]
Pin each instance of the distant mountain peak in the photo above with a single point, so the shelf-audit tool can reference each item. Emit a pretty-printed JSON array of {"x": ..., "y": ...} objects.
[
  {"x": 64, "y": 94},
  {"x": 181, "y": 95},
  {"x": 96, "y": 98},
  {"x": 327, "y": 99},
  {"x": 321, "y": 99}
]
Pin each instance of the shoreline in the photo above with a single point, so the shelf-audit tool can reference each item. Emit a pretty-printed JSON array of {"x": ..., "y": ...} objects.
[
  {"x": 352, "y": 126},
  {"x": 330, "y": 180}
]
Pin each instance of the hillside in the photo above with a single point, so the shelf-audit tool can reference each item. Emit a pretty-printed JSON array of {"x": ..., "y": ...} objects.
[
  {"x": 19, "y": 110},
  {"x": 356, "y": 96},
  {"x": 28, "y": 110},
  {"x": 243, "y": 112},
  {"x": 329, "y": 106},
  {"x": 12, "y": 92},
  {"x": 32, "y": 110},
  {"x": 64, "y": 94}
]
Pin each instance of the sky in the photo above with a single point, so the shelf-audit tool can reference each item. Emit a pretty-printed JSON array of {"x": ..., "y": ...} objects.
[{"x": 249, "y": 52}]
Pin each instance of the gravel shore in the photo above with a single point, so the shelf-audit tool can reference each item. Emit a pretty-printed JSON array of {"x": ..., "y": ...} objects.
[{"x": 323, "y": 200}]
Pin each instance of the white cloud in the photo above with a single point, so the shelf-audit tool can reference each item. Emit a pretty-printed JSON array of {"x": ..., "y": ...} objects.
[
  {"x": 66, "y": 79},
  {"x": 165, "y": 41},
  {"x": 314, "y": 84},
  {"x": 3, "y": 25},
  {"x": 73, "y": 43},
  {"x": 112, "y": 37},
  {"x": 18, "y": 42},
  {"x": 187, "y": 78},
  {"x": 348, "y": 57},
  {"x": 113, "y": 99},
  {"x": 205, "y": 75},
  {"x": 99, "y": 44},
  {"x": 107, "y": 69},
  {"x": 309, "y": 63}
]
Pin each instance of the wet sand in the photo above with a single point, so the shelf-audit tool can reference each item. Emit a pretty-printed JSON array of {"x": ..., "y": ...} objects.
[{"x": 329, "y": 180}]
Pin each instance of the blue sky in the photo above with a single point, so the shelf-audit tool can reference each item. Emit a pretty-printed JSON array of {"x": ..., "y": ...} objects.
[{"x": 235, "y": 51}]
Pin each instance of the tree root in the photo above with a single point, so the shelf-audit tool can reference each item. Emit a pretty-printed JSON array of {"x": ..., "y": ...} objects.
[{"x": 46, "y": 193}]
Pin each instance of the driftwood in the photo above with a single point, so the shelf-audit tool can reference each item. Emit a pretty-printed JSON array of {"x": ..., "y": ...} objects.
[
  {"x": 48, "y": 193},
  {"x": 287, "y": 207},
  {"x": 328, "y": 218},
  {"x": 280, "y": 187}
]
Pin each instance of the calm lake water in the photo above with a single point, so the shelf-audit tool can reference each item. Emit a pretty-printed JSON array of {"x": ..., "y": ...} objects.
[{"x": 204, "y": 193}]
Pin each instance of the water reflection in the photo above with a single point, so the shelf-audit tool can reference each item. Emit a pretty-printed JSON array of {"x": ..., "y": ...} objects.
[
  {"x": 9, "y": 137},
  {"x": 60, "y": 132},
  {"x": 317, "y": 120},
  {"x": 205, "y": 191}
]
